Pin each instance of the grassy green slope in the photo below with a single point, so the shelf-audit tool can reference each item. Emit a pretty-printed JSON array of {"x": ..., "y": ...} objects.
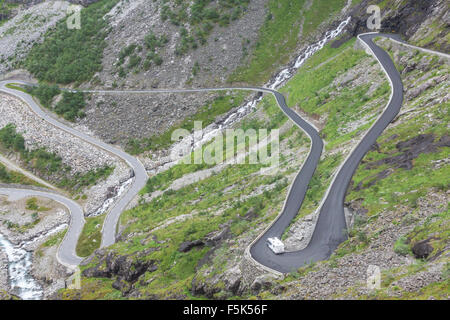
[
  {"x": 403, "y": 204},
  {"x": 280, "y": 35},
  {"x": 205, "y": 206}
]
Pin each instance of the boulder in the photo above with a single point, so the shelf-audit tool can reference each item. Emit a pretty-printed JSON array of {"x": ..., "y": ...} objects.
[
  {"x": 422, "y": 249},
  {"x": 263, "y": 282},
  {"x": 233, "y": 278},
  {"x": 188, "y": 245},
  {"x": 126, "y": 269}
]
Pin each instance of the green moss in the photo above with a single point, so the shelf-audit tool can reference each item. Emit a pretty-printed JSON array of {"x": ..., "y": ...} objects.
[{"x": 401, "y": 246}]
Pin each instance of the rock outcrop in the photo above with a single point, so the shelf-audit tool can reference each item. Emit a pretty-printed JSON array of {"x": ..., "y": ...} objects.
[{"x": 125, "y": 269}]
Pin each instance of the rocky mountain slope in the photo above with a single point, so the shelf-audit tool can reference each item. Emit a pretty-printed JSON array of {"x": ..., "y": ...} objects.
[
  {"x": 397, "y": 211},
  {"x": 187, "y": 233}
]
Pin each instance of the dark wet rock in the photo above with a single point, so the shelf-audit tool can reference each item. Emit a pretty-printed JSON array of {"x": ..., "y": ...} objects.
[
  {"x": 201, "y": 288},
  {"x": 375, "y": 147},
  {"x": 214, "y": 240},
  {"x": 216, "y": 237},
  {"x": 111, "y": 192},
  {"x": 263, "y": 282},
  {"x": 277, "y": 290},
  {"x": 390, "y": 138},
  {"x": 126, "y": 269},
  {"x": 422, "y": 249},
  {"x": 233, "y": 285},
  {"x": 409, "y": 150},
  {"x": 357, "y": 208},
  {"x": 189, "y": 245},
  {"x": 370, "y": 181},
  {"x": 122, "y": 285},
  {"x": 444, "y": 141}
]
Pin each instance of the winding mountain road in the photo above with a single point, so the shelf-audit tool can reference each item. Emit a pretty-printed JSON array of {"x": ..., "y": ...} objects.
[
  {"x": 112, "y": 218},
  {"x": 66, "y": 252},
  {"x": 330, "y": 229}
]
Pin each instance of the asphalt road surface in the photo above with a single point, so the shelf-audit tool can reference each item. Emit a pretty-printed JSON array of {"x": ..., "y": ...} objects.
[{"x": 66, "y": 251}]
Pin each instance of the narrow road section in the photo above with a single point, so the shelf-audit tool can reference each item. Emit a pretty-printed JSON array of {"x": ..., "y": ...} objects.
[{"x": 67, "y": 249}]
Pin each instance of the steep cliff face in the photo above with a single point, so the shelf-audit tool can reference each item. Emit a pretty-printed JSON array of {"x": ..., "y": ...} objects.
[{"x": 425, "y": 23}]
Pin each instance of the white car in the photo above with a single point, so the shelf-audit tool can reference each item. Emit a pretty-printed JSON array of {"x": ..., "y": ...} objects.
[{"x": 276, "y": 245}]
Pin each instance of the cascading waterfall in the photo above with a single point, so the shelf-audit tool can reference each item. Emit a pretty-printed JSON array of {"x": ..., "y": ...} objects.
[
  {"x": 19, "y": 266},
  {"x": 108, "y": 202},
  {"x": 287, "y": 73},
  {"x": 211, "y": 131}
]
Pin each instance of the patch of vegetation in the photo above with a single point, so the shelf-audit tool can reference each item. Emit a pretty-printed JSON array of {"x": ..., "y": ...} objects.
[
  {"x": 72, "y": 55},
  {"x": 88, "y": 179},
  {"x": 10, "y": 139},
  {"x": 71, "y": 106},
  {"x": 401, "y": 246},
  {"x": 204, "y": 15},
  {"x": 49, "y": 165},
  {"x": 54, "y": 239},
  {"x": 32, "y": 204},
  {"x": 24, "y": 227},
  {"x": 44, "y": 92},
  {"x": 91, "y": 236},
  {"x": 8, "y": 176},
  {"x": 15, "y": 86},
  {"x": 5, "y": 11}
]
